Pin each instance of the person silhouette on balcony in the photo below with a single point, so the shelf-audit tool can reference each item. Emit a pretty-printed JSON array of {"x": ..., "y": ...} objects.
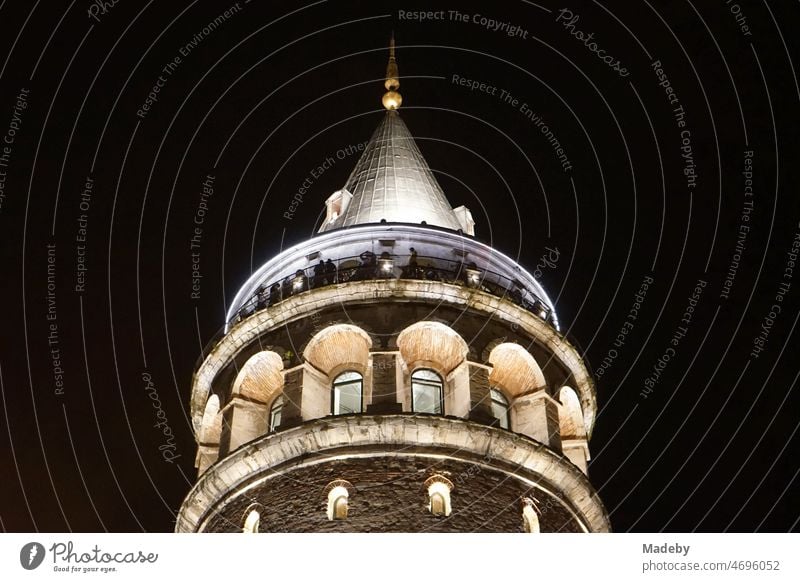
[
  {"x": 319, "y": 274},
  {"x": 330, "y": 272},
  {"x": 412, "y": 270},
  {"x": 274, "y": 294},
  {"x": 368, "y": 265}
]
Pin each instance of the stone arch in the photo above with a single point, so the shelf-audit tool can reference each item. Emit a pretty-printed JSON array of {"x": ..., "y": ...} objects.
[
  {"x": 433, "y": 345},
  {"x": 337, "y": 348},
  {"x": 570, "y": 416},
  {"x": 514, "y": 370},
  {"x": 261, "y": 378}
]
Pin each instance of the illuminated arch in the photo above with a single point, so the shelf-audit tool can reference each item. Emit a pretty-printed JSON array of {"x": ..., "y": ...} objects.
[
  {"x": 252, "y": 518},
  {"x": 514, "y": 370},
  {"x": 429, "y": 342},
  {"x": 339, "y": 347},
  {"x": 570, "y": 416},
  {"x": 260, "y": 378},
  {"x": 211, "y": 427}
]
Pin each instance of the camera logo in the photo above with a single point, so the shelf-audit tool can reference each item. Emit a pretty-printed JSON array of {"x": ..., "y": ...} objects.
[{"x": 31, "y": 555}]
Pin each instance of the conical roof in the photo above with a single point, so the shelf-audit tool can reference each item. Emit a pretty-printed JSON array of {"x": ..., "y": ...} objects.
[{"x": 393, "y": 182}]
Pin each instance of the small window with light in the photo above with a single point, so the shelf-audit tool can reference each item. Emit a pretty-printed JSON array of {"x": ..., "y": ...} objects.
[
  {"x": 530, "y": 516},
  {"x": 275, "y": 413},
  {"x": 500, "y": 409},
  {"x": 338, "y": 499},
  {"x": 346, "y": 395},
  {"x": 427, "y": 392}
]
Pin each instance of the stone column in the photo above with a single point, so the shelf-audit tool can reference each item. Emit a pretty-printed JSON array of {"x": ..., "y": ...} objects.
[
  {"x": 384, "y": 385},
  {"x": 246, "y": 420},
  {"x": 291, "y": 414},
  {"x": 577, "y": 451},
  {"x": 480, "y": 406},
  {"x": 207, "y": 455},
  {"x": 535, "y": 414}
]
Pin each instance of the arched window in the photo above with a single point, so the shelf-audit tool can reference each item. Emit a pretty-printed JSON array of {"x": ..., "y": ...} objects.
[
  {"x": 347, "y": 393},
  {"x": 338, "y": 499},
  {"x": 530, "y": 519},
  {"x": 426, "y": 392},
  {"x": 251, "y": 522},
  {"x": 500, "y": 409},
  {"x": 275, "y": 413},
  {"x": 439, "y": 488}
]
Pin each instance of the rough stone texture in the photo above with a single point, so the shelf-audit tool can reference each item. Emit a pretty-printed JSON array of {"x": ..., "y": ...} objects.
[{"x": 389, "y": 496}]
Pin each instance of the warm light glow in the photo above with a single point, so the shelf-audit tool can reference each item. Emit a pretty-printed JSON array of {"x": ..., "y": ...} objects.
[
  {"x": 439, "y": 495},
  {"x": 337, "y": 502},
  {"x": 431, "y": 341},
  {"x": 252, "y": 522},
  {"x": 530, "y": 518},
  {"x": 338, "y": 345},
  {"x": 387, "y": 265},
  {"x": 260, "y": 378},
  {"x": 514, "y": 369}
]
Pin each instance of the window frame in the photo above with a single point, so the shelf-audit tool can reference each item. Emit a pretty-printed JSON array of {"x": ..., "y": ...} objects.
[
  {"x": 429, "y": 383},
  {"x": 336, "y": 384},
  {"x": 493, "y": 390},
  {"x": 277, "y": 401}
]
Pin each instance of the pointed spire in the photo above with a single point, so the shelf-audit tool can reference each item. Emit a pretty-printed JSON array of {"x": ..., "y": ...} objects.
[
  {"x": 391, "y": 182},
  {"x": 392, "y": 99}
]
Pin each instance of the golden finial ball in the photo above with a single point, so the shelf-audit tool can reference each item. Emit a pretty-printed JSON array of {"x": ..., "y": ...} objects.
[{"x": 392, "y": 100}]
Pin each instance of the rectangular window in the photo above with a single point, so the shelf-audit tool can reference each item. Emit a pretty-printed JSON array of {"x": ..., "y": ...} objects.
[{"x": 427, "y": 397}]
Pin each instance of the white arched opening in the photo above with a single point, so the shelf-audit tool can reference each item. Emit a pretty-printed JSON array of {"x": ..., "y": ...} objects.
[
  {"x": 209, "y": 436},
  {"x": 439, "y": 488},
  {"x": 515, "y": 370},
  {"x": 334, "y": 351},
  {"x": 338, "y": 499},
  {"x": 433, "y": 346},
  {"x": 530, "y": 517},
  {"x": 252, "y": 521},
  {"x": 261, "y": 378},
  {"x": 258, "y": 383},
  {"x": 517, "y": 375},
  {"x": 573, "y": 430}
]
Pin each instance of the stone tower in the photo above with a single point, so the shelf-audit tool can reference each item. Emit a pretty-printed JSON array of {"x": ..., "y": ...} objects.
[{"x": 392, "y": 373}]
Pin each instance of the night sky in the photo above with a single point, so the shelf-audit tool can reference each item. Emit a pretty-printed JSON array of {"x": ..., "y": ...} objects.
[{"x": 665, "y": 228}]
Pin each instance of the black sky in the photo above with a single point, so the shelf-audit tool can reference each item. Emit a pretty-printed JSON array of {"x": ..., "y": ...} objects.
[{"x": 271, "y": 93}]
